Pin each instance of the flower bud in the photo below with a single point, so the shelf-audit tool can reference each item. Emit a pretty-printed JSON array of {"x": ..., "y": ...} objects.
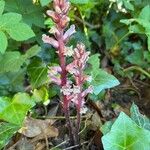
[
  {"x": 53, "y": 15},
  {"x": 49, "y": 40}
]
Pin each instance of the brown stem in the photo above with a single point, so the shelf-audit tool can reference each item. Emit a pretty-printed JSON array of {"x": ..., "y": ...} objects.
[{"x": 63, "y": 82}]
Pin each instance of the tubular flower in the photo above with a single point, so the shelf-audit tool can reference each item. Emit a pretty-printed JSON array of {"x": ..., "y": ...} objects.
[{"x": 54, "y": 74}]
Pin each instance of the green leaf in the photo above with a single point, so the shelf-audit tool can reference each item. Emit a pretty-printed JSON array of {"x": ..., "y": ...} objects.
[
  {"x": 32, "y": 51},
  {"x": 3, "y": 42},
  {"x": 7, "y": 130},
  {"x": 2, "y": 5},
  {"x": 145, "y": 13},
  {"x": 14, "y": 110},
  {"x": 126, "y": 135},
  {"x": 9, "y": 19},
  {"x": 79, "y": 1},
  {"x": 20, "y": 32},
  {"x": 11, "y": 61},
  {"x": 12, "y": 82},
  {"x": 102, "y": 80},
  {"x": 141, "y": 120},
  {"x": 32, "y": 14},
  {"x": 40, "y": 95},
  {"x": 136, "y": 57},
  {"x": 94, "y": 61},
  {"x": 105, "y": 128},
  {"x": 128, "y": 5},
  {"x": 37, "y": 71},
  {"x": 45, "y": 2}
]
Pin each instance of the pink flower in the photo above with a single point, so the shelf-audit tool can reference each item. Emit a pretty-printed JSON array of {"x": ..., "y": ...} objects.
[
  {"x": 87, "y": 91},
  {"x": 53, "y": 15},
  {"x": 49, "y": 40},
  {"x": 54, "y": 74},
  {"x": 69, "y": 32},
  {"x": 68, "y": 51},
  {"x": 54, "y": 70},
  {"x": 72, "y": 69},
  {"x": 54, "y": 31},
  {"x": 66, "y": 90},
  {"x": 64, "y": 21},
  {"x": 55, "y": 80}
]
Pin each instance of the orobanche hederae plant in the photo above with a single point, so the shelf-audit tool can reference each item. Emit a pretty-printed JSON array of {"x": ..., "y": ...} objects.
[{"x": 70, "y": 77}]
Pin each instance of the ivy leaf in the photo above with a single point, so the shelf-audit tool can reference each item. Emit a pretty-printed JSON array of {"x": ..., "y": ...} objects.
[
  {"x": 94, "y": 61},
  {"x": 136, "y": 57},
  {"x": 6, "y": 132},
  {"x": 20, "y": 32},
  {"x": 3, "y": 41},
  {"x": 101, "y": 80},
  {"x": 145, "y": 13},
  {"x": 141, "y": 120},
  {"x": 2, "y": 5},
  {"x": 37, "y": 71},
  {"x": 125, "y": 134},
  {"x": 14, "y": 110},
  {"x": 128, "y": 5},
  {"x": 105, "y": 128},
  {"x": 10, "y": 61},
  {"x": 40, "y": 95}
]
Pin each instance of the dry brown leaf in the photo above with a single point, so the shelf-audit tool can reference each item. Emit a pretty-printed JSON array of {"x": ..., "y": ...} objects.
[{"x": 35, "y": 127}]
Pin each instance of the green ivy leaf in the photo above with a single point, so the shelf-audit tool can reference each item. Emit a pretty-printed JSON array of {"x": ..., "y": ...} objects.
[
  {"x": 142, "y": 20},
  {"x": 37, "y": 71},
  {"x": 128, "y": 4},
  {"x": 6, "y": 132},
  {"x": 145, "y": 13},
  {"x": 136, "y": 57},
  {"x": 101, "y": 80},
  {"x": 141, "y": 120},
  {"x": 11, "y": 61},
  {"x": 125, "y": 134},
  {"x": 20, "y": 32},
  {"x": 94, "y": 61},
  {"x": 2, "y": 5},
  {"x": 3, "y": 41},
  {"x": 14, "y": 110},
  {"x": 105, "y": 128},
  {"x": 40, "y": 95}
]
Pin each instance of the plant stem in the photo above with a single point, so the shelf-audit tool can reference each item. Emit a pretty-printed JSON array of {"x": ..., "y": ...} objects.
[
  {"x": 63, "y": 83},
  {"x": 138, "y": 69}
]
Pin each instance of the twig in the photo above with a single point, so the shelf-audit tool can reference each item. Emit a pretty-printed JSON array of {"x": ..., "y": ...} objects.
[
  {"x": 71, "y": 147},
  {"x": 64, "y": 142},
  {"x": 59, "y": 117},
  {"x": 87, "y": 23},
  {"x": 138, "y": 69}
]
